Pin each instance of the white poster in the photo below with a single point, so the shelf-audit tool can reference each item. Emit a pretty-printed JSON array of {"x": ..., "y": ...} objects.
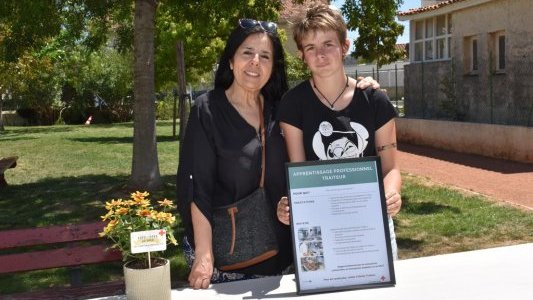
[{"x": 339, "y": 223}]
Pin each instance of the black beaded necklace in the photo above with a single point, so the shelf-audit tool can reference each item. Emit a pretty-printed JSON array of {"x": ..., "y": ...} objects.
[{"x": 331, "y": 104}]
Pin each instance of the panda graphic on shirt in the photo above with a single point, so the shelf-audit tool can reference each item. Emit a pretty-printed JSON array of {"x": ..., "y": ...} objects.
[{"x": 334, "y": 144}]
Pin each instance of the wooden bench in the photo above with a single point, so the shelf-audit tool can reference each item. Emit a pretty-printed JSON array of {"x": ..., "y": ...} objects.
[
  {"x": 6, "y": 163},
  {"x": 70, "y": 246}
]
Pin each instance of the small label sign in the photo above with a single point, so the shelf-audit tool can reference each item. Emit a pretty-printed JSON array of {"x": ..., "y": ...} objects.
[{"x": 148, "y": 241}]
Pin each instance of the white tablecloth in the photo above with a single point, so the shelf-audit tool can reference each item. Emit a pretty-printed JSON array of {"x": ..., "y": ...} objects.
[{"x": 497, "y": 273}]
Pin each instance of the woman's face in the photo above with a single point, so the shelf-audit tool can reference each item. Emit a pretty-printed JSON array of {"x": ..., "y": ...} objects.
[
  {"x": 322, "y": 52},
  {"x": 253, "y": 62}
]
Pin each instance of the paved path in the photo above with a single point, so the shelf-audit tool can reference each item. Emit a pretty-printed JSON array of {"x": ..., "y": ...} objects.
[{"x": 502, "y": 180}]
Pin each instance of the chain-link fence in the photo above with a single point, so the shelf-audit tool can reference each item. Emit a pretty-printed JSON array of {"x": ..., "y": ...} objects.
[{"x": 390, "y": 78}]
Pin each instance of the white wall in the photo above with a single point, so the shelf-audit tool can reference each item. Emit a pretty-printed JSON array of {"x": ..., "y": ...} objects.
[{"x": 499, "y": 141}]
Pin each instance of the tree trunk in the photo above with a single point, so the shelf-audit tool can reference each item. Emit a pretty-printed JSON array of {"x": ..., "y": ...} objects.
[
  {"x": 1, "y": 117},
  {"x": 145, "y": 173},
  {"x": 182, "y": 91}
]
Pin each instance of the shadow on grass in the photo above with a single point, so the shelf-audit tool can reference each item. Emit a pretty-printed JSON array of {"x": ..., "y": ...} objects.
[
  {"x": 130, "y": 124},
  {"x": 119, "y": 140},
  {"x": 429, "y": 208},
  {"x": 39, "y": 129},
  {"x": 14, "y": 137},
  {"x": 409, "y": 244},
  {"x": 426, "y": 207},
  {"x": 109, "y": 125},
  {"x": 66, "y": 200}
]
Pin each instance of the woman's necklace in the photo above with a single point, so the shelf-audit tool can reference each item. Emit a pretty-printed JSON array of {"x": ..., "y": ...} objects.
[{"x": 332, "y": 104}]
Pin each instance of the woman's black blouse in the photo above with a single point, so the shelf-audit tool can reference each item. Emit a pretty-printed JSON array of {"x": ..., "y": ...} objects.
[{"x": 220, "y": 163}]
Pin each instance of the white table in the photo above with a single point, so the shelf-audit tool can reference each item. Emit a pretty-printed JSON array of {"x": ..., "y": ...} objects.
[{"x": 497, "y": 273}]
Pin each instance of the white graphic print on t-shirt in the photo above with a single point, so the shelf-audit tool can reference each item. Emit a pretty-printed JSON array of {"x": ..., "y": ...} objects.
[{"x": 332, "y": 144}]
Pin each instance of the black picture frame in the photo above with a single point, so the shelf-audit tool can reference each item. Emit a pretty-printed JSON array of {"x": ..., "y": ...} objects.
[{"x": 317, "y": 176}]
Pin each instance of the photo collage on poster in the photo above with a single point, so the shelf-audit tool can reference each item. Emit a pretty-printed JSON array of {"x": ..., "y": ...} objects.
[{"x": 311, "y": 249}]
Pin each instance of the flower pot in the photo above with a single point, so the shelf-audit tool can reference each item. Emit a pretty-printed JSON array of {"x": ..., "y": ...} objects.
[{"x": 153, "y": 283}]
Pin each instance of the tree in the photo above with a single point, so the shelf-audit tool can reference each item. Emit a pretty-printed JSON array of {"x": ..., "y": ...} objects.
[
  {"x": 27, "y": 26},
  {"x": 214, "y": 22},
  {"x": 378, "y": 30},
  {"x": 145, "y": 165},
  {"x": 203, "y": 26}
]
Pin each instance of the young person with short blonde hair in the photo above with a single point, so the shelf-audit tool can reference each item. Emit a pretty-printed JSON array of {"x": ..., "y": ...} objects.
[{"x": 328, "y": 117}]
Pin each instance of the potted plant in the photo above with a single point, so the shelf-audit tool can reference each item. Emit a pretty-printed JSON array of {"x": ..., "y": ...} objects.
[{"x": 137, "y": 229}]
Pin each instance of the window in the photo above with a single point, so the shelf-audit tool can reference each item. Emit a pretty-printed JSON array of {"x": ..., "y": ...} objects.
[
  {"x": 501, "y": 52},
  {"x": 449, "y": 18},
  {"x": 471, "y": 54},
  {"x": 429, "y": 28},
  {"x": 449, "y": 47},
  {"x": 441, "y": 25},
  {"x": 429, "y": 50},
  {"x": 432, "y": 38},
  {"x": 474, "y": 66},
  {"x": 419, "y": 50},
  {"x": 419, "y": 28},
  {"x": 441, "y": 48},
  {"x": 497, "y": 46}
]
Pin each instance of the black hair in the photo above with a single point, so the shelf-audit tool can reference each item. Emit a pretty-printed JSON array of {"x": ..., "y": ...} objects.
[{"x": 276, "y": 85}]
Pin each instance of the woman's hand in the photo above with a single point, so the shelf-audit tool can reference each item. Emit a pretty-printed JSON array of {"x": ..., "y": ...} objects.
[
  {"x": 365, "y": 82},
  {"x": 394, "y": 202},
  {"x": 283, "y": 211},
  {"x": 201, "y": 272}
]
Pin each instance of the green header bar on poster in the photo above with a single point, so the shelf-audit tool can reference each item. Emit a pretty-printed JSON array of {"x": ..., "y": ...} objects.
[{"x": 320, "y": 175}]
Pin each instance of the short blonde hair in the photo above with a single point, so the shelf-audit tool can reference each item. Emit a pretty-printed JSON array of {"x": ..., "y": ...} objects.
[{"x": 319, "y": 17}]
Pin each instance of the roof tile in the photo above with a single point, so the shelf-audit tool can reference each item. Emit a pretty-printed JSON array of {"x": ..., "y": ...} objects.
[{"x": 415, "y": 11}]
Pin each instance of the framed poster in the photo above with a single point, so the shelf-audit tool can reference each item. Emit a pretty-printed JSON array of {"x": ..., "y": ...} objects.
[{"x": 339, "y": 224}]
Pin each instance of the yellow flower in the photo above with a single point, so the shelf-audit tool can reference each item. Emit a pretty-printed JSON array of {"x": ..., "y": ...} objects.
[
  {"x": 110, "y": 226},
  {"x": 144, "y": 213},
  {"x": 165, "y": 217},
  {"x": 122, "y": 211},
  {"x": 166, "y": 203},
  {"x": 138, "y": 195},
  {"x": 113, "y": 203},
  {"x": 107, "y": 216},
  {"x": 144, "y": 203},
  {"x": 133, "y": 215}
]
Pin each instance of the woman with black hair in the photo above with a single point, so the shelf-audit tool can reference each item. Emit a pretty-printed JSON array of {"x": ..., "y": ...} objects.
[{"x": 221, "y": 156}]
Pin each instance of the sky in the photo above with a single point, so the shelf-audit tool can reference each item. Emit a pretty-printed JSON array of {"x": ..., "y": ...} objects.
[{"x": 407, "y": 4}]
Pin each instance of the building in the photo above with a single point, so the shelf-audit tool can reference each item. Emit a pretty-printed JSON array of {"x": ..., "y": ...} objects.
[{"x": 471, "y": 60}]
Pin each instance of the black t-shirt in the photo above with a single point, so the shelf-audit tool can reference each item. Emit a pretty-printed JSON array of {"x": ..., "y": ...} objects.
[
  {"x": 220, "y": 163},
  {"x": 329, "y": 134}
]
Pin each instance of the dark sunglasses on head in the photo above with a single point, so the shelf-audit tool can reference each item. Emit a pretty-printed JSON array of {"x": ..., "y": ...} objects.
[{"x": 265, "y": 25}]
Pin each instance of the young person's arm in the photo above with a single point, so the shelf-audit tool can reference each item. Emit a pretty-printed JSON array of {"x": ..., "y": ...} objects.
[
  {"x": 392, "y": 180},
  {"x": 294, "y": 140}
]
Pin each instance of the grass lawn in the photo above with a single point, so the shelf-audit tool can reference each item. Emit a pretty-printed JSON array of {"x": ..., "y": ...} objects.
[{"x": 65, "y": 173}]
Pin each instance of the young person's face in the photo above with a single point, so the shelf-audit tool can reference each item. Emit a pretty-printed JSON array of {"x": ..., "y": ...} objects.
[
  {"x": 323, "y": 52},
  {"x": 253, "y": 62}
]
